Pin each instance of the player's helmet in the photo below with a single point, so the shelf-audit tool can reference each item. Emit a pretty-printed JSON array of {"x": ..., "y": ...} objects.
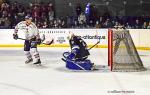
[{"x": 28, "y": 17}]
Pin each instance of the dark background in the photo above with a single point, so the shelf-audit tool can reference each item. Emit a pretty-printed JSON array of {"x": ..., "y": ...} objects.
[{"x": 115, "y": 7}]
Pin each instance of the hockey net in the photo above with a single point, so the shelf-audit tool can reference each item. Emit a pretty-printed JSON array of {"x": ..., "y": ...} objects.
[{"x": 122, "y": 53}]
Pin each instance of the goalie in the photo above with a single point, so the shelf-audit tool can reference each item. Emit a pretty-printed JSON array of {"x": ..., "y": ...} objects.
[
  {"x": 32, "y": 39},
  {"x": 77, "y": 58}
]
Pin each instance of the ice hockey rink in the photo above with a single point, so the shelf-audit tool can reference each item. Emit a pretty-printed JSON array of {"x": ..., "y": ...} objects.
[{"x": 17, "y": 78}]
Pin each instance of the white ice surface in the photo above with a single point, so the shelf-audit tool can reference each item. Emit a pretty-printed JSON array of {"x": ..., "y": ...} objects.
[{"x": 17, "y": 78}]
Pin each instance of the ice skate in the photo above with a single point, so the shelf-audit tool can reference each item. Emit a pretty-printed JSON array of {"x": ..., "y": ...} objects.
[
  {"x": 28, "y": 61},
  {"x": 38, "y": 62}
]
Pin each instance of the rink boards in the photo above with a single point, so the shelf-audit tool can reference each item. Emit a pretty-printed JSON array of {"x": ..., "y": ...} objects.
[{"x": 91, "y": 36}]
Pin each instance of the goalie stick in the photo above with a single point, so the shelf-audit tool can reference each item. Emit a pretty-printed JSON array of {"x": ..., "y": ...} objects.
[
  {"x": 94, "y": 45},
  {"x": 75, "y": 64}
]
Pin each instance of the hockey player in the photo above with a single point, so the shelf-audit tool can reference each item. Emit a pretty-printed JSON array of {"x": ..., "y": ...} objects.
[
  {"x": 32, "y": 39},
  {"x": 77, "y": 58}
]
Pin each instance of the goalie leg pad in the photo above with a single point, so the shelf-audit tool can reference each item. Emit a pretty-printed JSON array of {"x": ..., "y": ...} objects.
[
  {"x": 66, "y": 54},
  {"x": 79, "y": 65}
]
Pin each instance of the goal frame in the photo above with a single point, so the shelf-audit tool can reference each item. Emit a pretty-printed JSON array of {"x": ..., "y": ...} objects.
[{"x": 137, "y": 66}]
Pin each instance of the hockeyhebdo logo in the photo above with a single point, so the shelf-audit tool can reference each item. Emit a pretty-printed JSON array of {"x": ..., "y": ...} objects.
[
  {"x": 92, "y": 37},
  {"x": 61, "y": 40}
]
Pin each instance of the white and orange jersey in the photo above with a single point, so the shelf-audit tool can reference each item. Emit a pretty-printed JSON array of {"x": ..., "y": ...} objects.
[{"x": 26, "y": 31}]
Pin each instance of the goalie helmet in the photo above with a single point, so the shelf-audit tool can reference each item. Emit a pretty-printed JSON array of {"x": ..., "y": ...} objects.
[{"x": 69, "y": 35}]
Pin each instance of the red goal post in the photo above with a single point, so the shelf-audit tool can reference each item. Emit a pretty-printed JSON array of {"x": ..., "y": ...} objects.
[{"x": 110, "y": 48}]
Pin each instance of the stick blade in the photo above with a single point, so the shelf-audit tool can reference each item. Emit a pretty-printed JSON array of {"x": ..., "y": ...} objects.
[{"x": 49, "y": 42}]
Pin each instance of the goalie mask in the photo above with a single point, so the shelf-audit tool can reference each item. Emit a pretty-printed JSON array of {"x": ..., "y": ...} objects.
[{"x": 70, "y": 35}]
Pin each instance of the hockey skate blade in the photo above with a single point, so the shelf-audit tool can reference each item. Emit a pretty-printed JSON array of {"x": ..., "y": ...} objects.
[{"x": 37, "y": 65}]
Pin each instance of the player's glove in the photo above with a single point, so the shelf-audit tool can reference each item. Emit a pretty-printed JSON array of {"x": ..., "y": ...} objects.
[
  {"x": 33, "y": 39},
  {"x": 15, "y": 36},
  {"x": 39, "y": 41}
]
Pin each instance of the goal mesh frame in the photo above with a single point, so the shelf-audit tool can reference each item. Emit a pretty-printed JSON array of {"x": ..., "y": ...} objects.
[{"x": 130, "y": 52}]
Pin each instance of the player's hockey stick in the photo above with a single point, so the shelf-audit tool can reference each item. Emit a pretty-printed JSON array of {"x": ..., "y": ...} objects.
[{"x": 47, "y": 43}]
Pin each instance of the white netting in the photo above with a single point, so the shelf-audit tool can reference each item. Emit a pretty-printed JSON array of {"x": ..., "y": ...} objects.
[{"x": 125, "y": 55}]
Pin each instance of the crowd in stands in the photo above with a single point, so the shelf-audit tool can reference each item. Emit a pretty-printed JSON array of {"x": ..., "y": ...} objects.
[{"x": 44, "y": 17}]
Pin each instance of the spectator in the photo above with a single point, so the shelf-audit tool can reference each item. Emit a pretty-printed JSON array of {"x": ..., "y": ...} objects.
[
  {"x": 137, "y": 24},
  {"x": 55, "y": 25},
  {"x": 59, "y": 23},
  {"x": 107, "y": 24},
  {"x": 128, "y": 26},
  {"x": 82, "y": 25},
  {"x": 42, "y": 9},
  {"x": 116, "y": 24},
  {"x": 95, "y": 13},
  {"x": 97, "y": 25},
  {"x": 4, "y": 7},
  {"x": 35, "y": 13},
  {"x": 39, "y": 24},
  {"x": 91, "y": 24},
  {"x": 45, "y": 25},
  {"x": 144, "y": 26},
  {"x": 51, "y": 24},
  {"x": 2, "y": 21},
  {"x": 75, "y": 25},
  {"x": 78, "y": 9},
  {"x": 82, "y": 18},
  {"x": 7, "y": 22},
  {"x": 21, "y": 12},
  {"x": 89, "y": 12},
  {"x": 70, "y": 21},
  {"x": 148, "y": 27},
  {"x": 50, "y": 11},
  {"x": 28, "y": 11},
  {"x": 16, "y": 20},
  {"x": 15, "y": 8},
  {"x": 63, "y": 24},
  {"x": 100, "y": 19}
]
